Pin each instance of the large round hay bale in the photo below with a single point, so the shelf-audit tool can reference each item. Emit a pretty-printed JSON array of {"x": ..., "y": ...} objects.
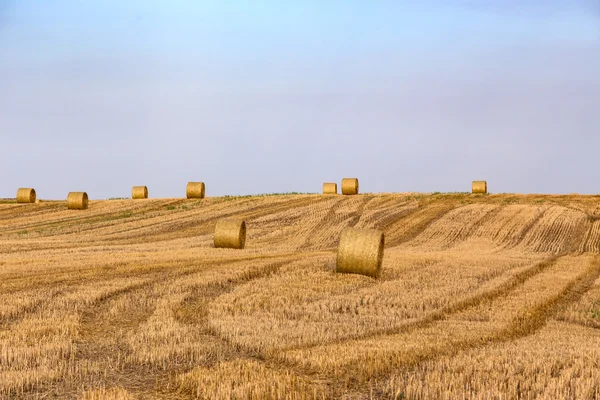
[
  {"x": 349, "y": 186},
  {"x": 26, "y": 195},
  {"x": 329, "y": 188},
  {"x": 360, "y": 252},
  {"x": 195, "y": 190},
  {"x": 230, "y": 233},
  {"x": 77, "y": 201},
  {"x": 139, "y": 192},
  {"x": 480, "y": 187}
]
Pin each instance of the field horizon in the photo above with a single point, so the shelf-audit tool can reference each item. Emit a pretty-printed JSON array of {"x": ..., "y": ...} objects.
[{"x": 480, "y": 296}]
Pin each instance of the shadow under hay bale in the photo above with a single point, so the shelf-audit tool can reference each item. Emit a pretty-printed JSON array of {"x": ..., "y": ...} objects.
[
  {"x": 195, "y": 190},
  {"x": 360, "y": 252},
  {"x": 230, "y": 234},
  {"x": 329, "y": 188},
  {"x": 479, "y": 187},
  {"x": 77, "y": 201},
  {"x": 350, "y": 186},
  {"x": 139, "y": 192},
  {"x": 26, "y": 195}
]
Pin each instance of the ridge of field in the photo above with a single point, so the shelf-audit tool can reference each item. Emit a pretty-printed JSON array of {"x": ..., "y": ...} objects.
[{"x": 129, "y": 299}]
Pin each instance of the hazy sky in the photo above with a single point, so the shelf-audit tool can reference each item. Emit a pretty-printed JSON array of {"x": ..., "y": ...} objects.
[{"x": 272, "y": 96}]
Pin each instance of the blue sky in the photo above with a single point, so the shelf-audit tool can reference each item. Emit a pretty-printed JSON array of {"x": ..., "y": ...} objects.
[{"x": 267, "y": 96}]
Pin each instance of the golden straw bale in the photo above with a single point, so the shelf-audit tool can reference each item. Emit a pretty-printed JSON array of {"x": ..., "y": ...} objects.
[
  {"x": 139, "y": 192},
  {"x": 330, "y": 188},
  {"x": 230, "y": 233},
  {"x": 480, "y": 187},
  {"x": 349, "y": 186},
  {"x": 360, "y": 252},
  {"x": 26, "y": 195},
  {"x": 195, "y": 190},
  {"x": 77, "y": 201}
]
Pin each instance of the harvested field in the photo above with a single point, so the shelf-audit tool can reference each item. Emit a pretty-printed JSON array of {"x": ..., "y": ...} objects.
[{"x": 494, "y": 296}]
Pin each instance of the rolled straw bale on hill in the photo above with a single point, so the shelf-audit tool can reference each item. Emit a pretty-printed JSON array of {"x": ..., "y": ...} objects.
[
  {"x": 479, "y": 187},
  {"x": 77, "y": 201},
  {"x": 195, "y": 190},
  {"x": 26, "y": 195},
  {"x": 329, "y": 188},
  {"x": 350, "y": 186},
  {"x": 360, "y": 252},
  {"x": 230, "y": 233},
  {"x": 139, "y": 192}
]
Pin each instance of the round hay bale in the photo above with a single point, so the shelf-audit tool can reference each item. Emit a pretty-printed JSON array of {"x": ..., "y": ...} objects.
[
  {"x": 349, "y": 186},
  {"x": 195, "y": 190},
  {"x": 77, "y": 201},
  {"x": 139, "y": 192},
  {"x": 480, "y": 187},
  {"x": 360, "y": 252},
  {"x": 330, "y": 188},
  {"x": 26, "y": 195},
  {"x": 230, "y": 234}
]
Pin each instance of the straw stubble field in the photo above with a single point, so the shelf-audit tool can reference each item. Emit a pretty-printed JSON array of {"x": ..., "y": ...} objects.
[{"x": 493, "y": 296}]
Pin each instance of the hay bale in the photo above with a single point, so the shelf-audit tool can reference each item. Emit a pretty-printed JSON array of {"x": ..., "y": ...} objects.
[
  {"x": 479, "y": 187},
  {"x": 349, "y": 186},
  {"x": 230, "y": 233},
  {"x": 330, "y": 188},
  {"x": 77, "y": 201},
  {"x": 360, "y": 252},
  {"x": 139, "y": 192},
  {"x": 195, "y": 190},
  {"x": 26, "y": 195}
]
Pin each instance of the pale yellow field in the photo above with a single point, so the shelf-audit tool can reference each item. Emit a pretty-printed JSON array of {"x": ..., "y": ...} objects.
[{"x": 480, "y": 297}]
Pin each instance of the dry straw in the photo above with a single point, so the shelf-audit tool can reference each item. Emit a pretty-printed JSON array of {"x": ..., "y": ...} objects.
[
  {"x": 360, "y": 252},
  {"x": 77, "y": 201},
  {"x": 139, "y": 192},
  {"x": 330, "y": 188},
  {"x": 349, "y": 186},
  {"x": 195, "y": 190},
  {"x": 26, "y": 195},
  {"x": 230, "y": 234},
  {"x": 480, "y": 187}
]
